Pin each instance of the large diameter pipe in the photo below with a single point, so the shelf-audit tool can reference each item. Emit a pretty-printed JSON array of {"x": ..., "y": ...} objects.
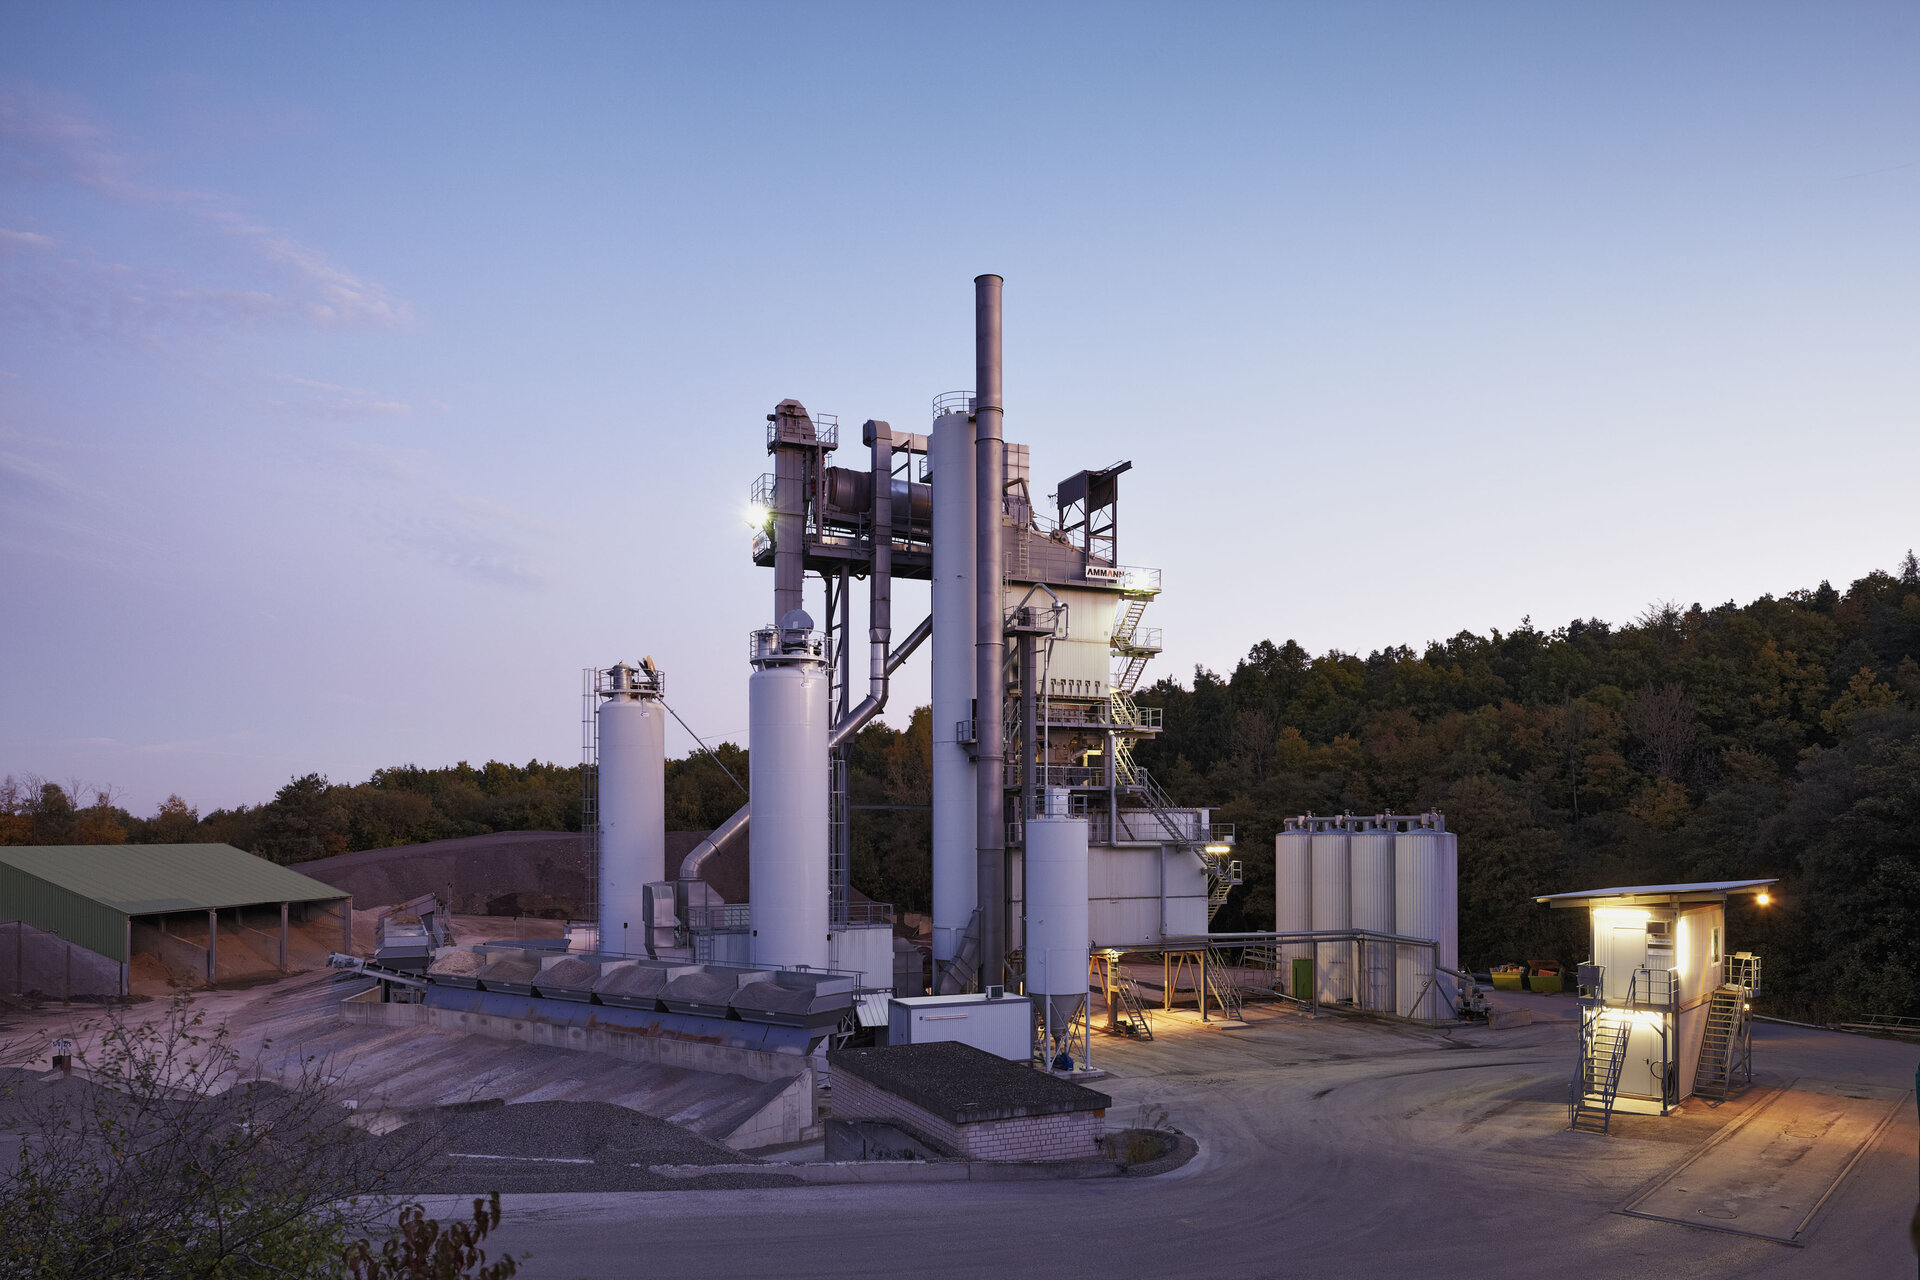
[
  {"x": 955, "y": 846},
  {"x": 791, "y": 425},
  {"x": 990, "y": 466}
]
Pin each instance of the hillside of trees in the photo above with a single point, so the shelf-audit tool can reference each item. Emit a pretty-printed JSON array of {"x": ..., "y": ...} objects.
[{"x": 1779, "y": 738}]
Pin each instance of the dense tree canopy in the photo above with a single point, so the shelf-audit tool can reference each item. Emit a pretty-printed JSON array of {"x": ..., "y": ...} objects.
[{"x": 1779, "y": 738}]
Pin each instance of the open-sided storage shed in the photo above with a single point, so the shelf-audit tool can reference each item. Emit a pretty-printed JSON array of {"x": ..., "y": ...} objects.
[{"x": 92, "y": 897}]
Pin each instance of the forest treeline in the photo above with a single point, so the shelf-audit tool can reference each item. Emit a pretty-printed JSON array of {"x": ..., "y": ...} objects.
[{"x": 1778, "y": 738}]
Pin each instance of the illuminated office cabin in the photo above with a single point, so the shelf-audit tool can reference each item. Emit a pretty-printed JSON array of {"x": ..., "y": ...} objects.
[{"x": 1665, "y": 1005}]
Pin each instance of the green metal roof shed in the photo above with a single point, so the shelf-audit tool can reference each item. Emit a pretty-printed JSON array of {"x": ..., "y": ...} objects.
[{"x": 85, "y": 893}]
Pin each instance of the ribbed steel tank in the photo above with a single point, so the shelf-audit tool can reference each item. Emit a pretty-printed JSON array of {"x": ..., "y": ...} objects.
[
  {"x": 1332, "y": 909},
  {"x": 1293, "y": 898},
  {"x": 955, "y": 855},
  {"x": 1056, "y": 911},
  {"x": 1426, "y": 905},
  {"x": 633, "y": 830},
  {"x": 787, "y": 767},
  {"x": 1370, "y": 854}
]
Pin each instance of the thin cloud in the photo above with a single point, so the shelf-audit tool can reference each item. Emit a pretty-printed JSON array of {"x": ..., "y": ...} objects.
[
  {"x": 330, "y": 400},
  {"x": 281, "y": 280},
  {"x": 31, "y": 239},
  {"x": 400, "y": 501}
]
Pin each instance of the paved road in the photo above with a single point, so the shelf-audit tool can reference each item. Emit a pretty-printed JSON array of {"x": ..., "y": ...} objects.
[{"x": 1329, "y": 1148}]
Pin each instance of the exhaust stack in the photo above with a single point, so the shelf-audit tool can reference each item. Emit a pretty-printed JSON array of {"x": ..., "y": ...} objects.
[{"x": 990, "y": 466}]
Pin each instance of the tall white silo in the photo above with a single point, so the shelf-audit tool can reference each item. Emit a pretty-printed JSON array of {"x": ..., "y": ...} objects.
[
  {"x": 1370, "y": 853},
  {"x": 1426, "y": 905},
  {"x": 1293, "y": 896},
  {"x": 1057, "y": 934},
  {"x": 632, "y": 803},
  {"x": 955, "y": 853},
  {"x": 787, "y": 778},
  {"x": 1332, "y": 909}
]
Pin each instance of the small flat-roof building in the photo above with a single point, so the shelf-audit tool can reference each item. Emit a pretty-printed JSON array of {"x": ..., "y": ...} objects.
[
  {"x": 115, "y": 901},
  {"x": 1665, "y": 1008}
]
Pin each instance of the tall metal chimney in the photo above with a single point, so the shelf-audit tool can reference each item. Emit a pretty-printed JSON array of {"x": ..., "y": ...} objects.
[{"x": 990, "y": 461}]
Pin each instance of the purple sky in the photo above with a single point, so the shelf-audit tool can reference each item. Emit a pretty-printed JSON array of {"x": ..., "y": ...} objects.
[{"x": 366, "y": 371}]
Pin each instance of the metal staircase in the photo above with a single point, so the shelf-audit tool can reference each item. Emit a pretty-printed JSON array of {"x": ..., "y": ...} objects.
[
  {"x": 1223, "y": 873},
  {"x": 1605, "y": 1031},
  {"x": 1133, "y": 1019},
  {"x": 1603, "y": 1053},
  {"x": 1221, "y": 987},
  {"x": 1713, "y": 1072},
  {"x": 1726, "y": 1046}
]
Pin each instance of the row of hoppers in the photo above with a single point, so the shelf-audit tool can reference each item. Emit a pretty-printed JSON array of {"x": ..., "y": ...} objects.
[
  {"x": 701, "y": 990},
  {"x": 1393, "y": 875}
]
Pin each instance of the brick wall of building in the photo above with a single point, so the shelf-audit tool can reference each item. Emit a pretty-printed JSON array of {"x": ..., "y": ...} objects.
[{"x": 1064, "y": 1136}]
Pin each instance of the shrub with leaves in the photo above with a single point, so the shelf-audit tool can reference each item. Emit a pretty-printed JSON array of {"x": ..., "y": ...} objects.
[
  {"x": 420, "y": 1250},
  {"x": 165, "y": 1154}
]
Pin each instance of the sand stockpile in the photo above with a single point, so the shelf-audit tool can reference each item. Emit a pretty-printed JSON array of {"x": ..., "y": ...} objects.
[{"x": 458, "y": 963}]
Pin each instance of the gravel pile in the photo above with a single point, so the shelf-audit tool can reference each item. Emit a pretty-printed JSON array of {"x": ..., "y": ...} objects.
[
  {"x": 634, "y": 981},
  {"x": 568, "y": 1146},
  {"x": 705, "y": 990},
  {"x": 570, "y": 972}
]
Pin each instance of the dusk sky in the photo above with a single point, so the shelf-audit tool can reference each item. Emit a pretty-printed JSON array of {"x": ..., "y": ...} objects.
[{"x": 368, "y": 370}]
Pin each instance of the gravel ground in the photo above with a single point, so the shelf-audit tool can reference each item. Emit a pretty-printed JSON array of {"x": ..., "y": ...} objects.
[{"x": 569, "y": 1146}]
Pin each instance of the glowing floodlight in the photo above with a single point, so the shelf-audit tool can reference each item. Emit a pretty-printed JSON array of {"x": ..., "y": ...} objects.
[{"x": 1764, "y": 898}]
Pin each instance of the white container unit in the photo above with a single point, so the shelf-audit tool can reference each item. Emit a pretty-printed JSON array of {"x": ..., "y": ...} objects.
[
  {"x": 1332, "y": 909},
  {"x": 1293, "y": 898},
  {"x": 1370, "y": 855},
  {"x": 955, "y": 852},
  {"x": 787, "y": 767},
  {"x": 1426, "y": 905},
  {"x": 1056, "y": 911},
  {"x": 633, "y": 808},
  {"x": 1003, "y": 1026}
]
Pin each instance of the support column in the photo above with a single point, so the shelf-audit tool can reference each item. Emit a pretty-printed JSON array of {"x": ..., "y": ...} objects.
[
  {"x": 126, "y": 963},
  {"x": 283, "y": 937},
  {"x": 213, "y": 947},
  {"x": 346, "y": 926}
]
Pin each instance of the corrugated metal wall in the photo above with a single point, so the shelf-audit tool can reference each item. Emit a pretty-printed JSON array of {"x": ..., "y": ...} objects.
[{"x": 79, "y": 919}]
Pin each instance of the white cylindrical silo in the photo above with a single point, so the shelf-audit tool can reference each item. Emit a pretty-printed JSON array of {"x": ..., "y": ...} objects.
[
  {"x": 632, "y": 806},
  {"x": 1056, "y": 910},
  {"x": 787, "y": 768},
  {"x": 1332, "y": 909},
  {"x": 955, "y": 854},
  {"x": 1426, "y": 905},
  {"x": 1370, "y": 853},
  {"x": 1293, "y": 898}
]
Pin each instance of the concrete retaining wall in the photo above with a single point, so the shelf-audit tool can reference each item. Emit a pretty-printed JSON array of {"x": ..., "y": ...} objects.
[
  {"x": 634, "y": 1046},
  {"x": 786, "y": 1117},
  {"x": 34, "y": 960}
]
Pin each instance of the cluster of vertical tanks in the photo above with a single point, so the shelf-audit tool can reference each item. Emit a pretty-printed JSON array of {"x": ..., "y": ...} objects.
[
  {"x": 1048, "y": 838},
  {"x": 1379, "y": 882}
]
